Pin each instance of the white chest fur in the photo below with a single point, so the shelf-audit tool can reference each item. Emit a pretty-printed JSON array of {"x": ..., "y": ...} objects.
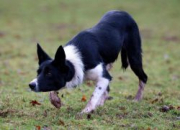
[{"x": 73, "y": 55}]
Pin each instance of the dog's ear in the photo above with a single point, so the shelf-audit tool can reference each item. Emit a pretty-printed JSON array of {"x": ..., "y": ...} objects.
[
  {"x": 60, "y": 58},
  {"x": 61, "y": 63},
  {"x": 42, "y": 56}
]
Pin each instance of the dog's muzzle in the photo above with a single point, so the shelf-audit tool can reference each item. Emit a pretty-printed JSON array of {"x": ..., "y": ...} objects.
[{"x": 33, "y": 85}]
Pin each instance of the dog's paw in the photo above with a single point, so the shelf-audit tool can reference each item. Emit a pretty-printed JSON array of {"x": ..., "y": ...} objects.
[
  {"x": 87, "y": 110},
  {"x": 55, "y": 100},
  {"x": 138, "y": 97},
  {"x": 135, "y": 100}
]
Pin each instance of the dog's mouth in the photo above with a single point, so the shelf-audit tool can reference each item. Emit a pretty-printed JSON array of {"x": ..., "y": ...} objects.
[
  {"x": 36, "y": 89},
  {"x": 34, "y": 86}
]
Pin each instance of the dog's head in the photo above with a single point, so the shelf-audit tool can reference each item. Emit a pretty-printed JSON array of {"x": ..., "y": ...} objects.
[{"x": 52, "y": 74}]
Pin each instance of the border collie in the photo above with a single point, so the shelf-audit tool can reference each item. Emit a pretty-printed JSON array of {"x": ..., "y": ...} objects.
[{"x": 89, "y": 56}]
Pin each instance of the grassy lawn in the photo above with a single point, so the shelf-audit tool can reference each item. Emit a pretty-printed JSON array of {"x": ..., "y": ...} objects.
[{"x": 23, "y": 23}]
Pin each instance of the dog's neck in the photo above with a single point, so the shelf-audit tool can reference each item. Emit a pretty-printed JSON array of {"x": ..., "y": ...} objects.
[
  {"x": 74, "y": 57},
  {"x": 70, "y": 72}
]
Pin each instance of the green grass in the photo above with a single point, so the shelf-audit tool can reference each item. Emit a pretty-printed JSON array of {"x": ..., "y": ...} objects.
[{"x": 23, "y": 23}]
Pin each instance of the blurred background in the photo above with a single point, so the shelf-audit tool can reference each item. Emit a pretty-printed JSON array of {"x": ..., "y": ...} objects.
[
  {"x": 54, "y": 22},
  {"x": 51, "y": 23}
]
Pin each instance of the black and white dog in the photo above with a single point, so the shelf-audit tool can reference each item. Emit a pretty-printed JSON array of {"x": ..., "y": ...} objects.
[{"x": 89, "y": 56}]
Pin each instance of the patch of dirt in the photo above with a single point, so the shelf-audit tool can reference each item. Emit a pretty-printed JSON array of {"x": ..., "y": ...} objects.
[
  {"x": 2, "y": 34},
  {"x": 5, "y": 113},
  {"x": 89, "y": 116},
  {"x": 146, "y": 33},
  {"x": 166, "y": 108},
  {"x": 63, "y": 26},
  {"x": 130, "y": 97},
  {"x": 121, "y": 115},
  {"x": 171, "y": 38},
  {"x": 61, "y": 122}
]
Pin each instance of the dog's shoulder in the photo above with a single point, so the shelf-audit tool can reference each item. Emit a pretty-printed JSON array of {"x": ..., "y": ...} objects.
[{"x": 73, "y": 55}]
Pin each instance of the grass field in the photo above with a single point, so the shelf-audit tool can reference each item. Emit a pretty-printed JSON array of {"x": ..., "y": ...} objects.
[{"x": 23, "y": 23}]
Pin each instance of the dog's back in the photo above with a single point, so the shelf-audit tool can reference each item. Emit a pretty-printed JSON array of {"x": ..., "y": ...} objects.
[
  {"x": 115, "y": 32},
  {"x": 112, "y": 32}
]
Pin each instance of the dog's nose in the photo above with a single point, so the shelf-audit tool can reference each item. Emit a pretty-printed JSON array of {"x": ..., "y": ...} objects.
[{"x": 32, "y": 85}]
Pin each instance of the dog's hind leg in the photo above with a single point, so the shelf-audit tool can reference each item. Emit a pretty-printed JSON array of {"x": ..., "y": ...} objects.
[
  {"x": 132, "y": 54},
  {"x": 109, "y": 66},
  {"x": 135, "y": 60},
  {"x": 139, "y": 93},
  {"x": 138, "y": 70}
]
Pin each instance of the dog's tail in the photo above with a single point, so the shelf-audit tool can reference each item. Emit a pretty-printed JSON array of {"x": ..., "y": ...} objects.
[{"x": 131, "y": 52}]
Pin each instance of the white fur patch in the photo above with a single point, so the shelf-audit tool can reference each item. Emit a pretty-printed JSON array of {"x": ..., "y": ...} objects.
[
  {"x": 99, "y": 95},
  {"x": 101, "y": 87},
  {"x": 73, "y": 55},
  {"x": 94, "y": 73}
]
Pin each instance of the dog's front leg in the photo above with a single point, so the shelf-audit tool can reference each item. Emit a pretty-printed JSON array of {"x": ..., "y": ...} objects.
[{"x": 95, "y": 99}]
